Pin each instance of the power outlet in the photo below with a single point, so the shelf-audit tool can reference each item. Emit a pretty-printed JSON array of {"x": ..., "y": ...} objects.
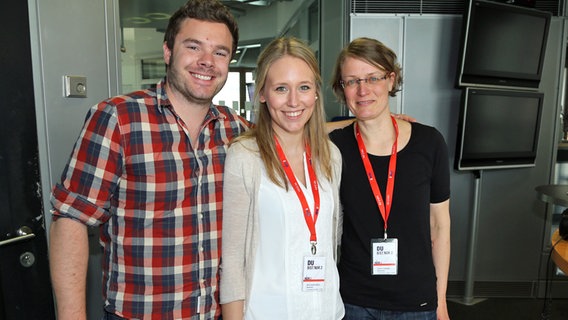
[{"x": 75, "y": 86}]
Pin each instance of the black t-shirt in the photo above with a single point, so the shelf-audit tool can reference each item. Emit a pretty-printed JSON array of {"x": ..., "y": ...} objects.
[{"x": 422, "y": 178}]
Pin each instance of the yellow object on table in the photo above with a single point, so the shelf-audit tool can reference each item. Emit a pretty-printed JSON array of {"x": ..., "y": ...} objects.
[{"x": 560, "y": 252}]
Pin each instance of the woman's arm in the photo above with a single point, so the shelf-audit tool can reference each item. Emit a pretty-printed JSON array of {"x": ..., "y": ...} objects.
[
  {"x": 333, "y": 125},
  {"x": 440, "y": 233},
  {"x": 233, "y": 310},
  {"x": 237, "y": 198}
]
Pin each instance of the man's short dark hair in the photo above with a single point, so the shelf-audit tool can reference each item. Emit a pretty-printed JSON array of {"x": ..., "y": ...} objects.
[{"x": 205, "y": 10}]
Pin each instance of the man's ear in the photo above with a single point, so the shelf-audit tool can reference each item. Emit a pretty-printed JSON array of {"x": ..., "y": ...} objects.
[{"x": 167, "y": 53}]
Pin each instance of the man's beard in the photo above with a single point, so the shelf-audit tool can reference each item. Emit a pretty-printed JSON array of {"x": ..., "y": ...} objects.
[{"x": 176, "y": 79}]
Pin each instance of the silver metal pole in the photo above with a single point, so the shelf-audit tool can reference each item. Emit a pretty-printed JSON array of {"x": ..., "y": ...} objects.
[{"x": 468, "y": 298}]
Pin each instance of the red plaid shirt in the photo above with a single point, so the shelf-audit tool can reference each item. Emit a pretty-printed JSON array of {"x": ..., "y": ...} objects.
[{"x": 157, "y": 200}]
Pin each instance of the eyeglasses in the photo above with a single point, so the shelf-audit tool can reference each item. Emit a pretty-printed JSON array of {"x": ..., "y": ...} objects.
[{"x": 352, "y": 83}]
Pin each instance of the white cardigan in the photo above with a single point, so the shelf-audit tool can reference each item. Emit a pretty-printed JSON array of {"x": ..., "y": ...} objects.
[{"x": 240, "y": 192}]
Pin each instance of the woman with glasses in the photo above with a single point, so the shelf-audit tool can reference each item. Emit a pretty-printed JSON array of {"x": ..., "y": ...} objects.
[{"x": 395, "y": 191}]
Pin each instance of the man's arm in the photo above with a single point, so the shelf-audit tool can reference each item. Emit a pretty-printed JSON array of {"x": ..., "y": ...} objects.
[
  {"x": 404, "y": 117},
  {"x": 68, "y": 259},
  {"x": 440, "y": 233},
  {"x": 333, "y": 125}
]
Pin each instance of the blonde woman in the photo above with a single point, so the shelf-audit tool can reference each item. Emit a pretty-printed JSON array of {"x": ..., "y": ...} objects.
[{"x": 281, "y": 216}]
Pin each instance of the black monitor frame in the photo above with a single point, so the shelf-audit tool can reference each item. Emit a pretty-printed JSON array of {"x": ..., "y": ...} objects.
[
  {"x": 498, "y": 129},
  {"x": 503, "y": 45}
]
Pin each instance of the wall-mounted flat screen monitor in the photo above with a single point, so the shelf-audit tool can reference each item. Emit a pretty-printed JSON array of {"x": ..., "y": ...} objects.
[
  {"x": 503, "y": 45},
  {"x": 498, "y": 129}
]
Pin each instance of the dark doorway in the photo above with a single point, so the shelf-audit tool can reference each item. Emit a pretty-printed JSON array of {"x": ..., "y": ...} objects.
[{"x": 25, "y": 287}]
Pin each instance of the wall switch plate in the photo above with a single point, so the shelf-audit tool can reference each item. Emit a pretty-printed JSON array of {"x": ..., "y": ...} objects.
[{"x": 75, "y": 86}]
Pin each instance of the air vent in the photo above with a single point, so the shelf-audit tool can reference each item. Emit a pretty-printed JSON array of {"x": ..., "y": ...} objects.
[
  {"x": 434, "y": 6},
  {"x": 408, "y": 7}
]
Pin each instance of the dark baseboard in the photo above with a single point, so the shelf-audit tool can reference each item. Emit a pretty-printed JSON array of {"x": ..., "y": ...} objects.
[{"x": 501, "y": 289}]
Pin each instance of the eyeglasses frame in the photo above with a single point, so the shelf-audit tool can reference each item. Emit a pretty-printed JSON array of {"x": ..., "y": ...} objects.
[{"x": 367, "y": 80}]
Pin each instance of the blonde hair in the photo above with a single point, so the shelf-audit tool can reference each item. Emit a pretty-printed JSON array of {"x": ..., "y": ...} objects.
[{"x": 315, "y": 133}]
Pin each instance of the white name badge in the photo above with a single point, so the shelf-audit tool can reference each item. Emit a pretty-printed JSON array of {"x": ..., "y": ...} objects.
[
  {"x": 314, "y": 273},
  {"x": 384, "y": 259}
]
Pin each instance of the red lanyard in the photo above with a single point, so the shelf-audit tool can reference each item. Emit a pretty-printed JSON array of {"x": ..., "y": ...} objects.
[
  {"x": 310, "y": 221},
  {"x": 384, "y": 206}
]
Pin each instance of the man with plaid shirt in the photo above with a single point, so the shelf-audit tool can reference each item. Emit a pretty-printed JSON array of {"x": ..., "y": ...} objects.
[{"x": 147, "y": 169}]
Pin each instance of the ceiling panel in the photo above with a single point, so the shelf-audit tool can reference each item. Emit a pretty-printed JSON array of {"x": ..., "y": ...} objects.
[{"x": 155, "y": 14}]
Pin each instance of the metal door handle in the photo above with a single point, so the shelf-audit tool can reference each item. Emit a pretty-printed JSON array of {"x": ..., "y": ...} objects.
[{"x": 22, "y": 233}]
